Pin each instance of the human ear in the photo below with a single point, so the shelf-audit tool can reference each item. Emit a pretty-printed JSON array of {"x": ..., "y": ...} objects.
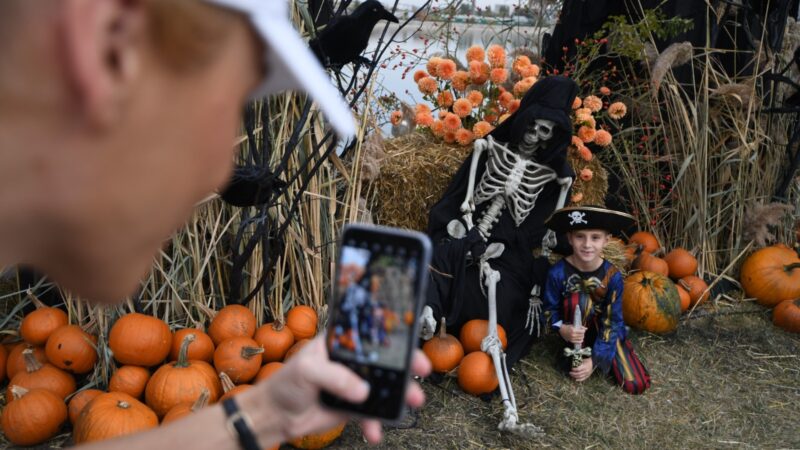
[{"x": 102, "y": 43}]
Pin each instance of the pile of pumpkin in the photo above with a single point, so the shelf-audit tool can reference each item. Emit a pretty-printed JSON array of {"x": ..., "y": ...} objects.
[
  {"x": 162, "y": 375},
  {"x": 771, "y": 275}
]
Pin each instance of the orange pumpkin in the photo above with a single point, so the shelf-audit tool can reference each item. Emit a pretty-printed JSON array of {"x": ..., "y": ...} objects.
[
  {"x": 444, "y": 351},
  {"x": 473, "y": 332},
  {"x": 232, "y": 321},
  {"x": 650, "y": 302},
  {"x": 276, "y": 340},
  {"x": 112, "y": 415},
  {"x": 686, "y": 300},
  {"x": 476, "y": 374},
  {"x": 37, "y": 326},
  {"x": 647, "y": 240},
  {"x": 295, "y": 348},
  {"x": 771, "y": 275},
  {"x": 16, "y": 360},
  {"x": 650, "y": 263},
  {"x": 681, "y": 263},
  {"x": 787, "y": 315},
  {"x": 129, "y": 379},
  {"x": 228, "y": 388},
  {"x": 239, "y": 357},
  {"x": 302, "y": 320},
  {"x": 201, "y": 349},
  {"x": 697, "y": 288},
  {"x": 318, "y": 440},
  {"x": 42, "y": 376},
  {"x": 33, "y": 417},
  {"x": 267, "y": 370},
  {"x": 182, "y": 410},
  {"x": 181, "y": 381},
  {"x": 79, "y": 401},
  {"x": 140, "y": 340},
  {"x": 72, "y": 349},
  {"x": 3, "y": 361}
]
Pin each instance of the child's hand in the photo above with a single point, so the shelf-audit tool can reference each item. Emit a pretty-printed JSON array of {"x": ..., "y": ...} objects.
[
  {"x": 582, "y": 372},
  {"x": 572, "y": 334}
]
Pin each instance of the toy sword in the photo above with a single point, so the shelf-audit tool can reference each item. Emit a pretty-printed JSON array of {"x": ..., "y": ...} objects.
[{"x": 577, "y": 353}]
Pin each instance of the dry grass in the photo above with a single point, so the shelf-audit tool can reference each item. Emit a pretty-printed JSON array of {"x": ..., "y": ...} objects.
[{"x": 726, "y": 380}]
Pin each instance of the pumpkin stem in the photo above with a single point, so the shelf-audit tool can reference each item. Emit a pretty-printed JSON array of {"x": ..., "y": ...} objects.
[
  {"x": 123, "y": 404},
  {"x": 31, "y": 363},
  {"x": 227, "y": 383},
  {"x": 18, "y": 391},
  {"x": 278, "y": 324},
  {"x": 34, "y": 299},
  {"x": 202, "y": 400},
  {"x": 791, "y": 267},
  {"x": 443, "y": 328},
  {"x": 182, "y": 353},
  {"x": 249, "y": 352}
]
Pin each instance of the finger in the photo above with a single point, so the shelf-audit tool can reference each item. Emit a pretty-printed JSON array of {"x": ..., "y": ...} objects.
[
  {"x": 373, "y": 431},
  {"x": 415, "y": 396},
  {"x": 420, "y": 364},
  {"x": 329, "y": 376}
]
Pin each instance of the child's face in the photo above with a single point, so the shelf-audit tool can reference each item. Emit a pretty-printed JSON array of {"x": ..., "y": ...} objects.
[{"x": 587, "y": 245}]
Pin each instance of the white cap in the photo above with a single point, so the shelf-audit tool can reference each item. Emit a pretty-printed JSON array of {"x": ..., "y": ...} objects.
[{"x": 290, "y": 63}]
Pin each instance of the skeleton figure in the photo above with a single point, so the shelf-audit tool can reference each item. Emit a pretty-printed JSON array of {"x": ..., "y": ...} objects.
[{"x": 487, "y": 269}]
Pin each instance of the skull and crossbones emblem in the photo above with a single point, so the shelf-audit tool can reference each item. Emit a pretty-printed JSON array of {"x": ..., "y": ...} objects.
[{"x": 576, "y": 217}]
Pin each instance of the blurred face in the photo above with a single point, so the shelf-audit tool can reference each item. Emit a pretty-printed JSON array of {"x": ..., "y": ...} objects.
[
  {"x": 587, "y": 245},
  {"x": 135, "y": 181}
]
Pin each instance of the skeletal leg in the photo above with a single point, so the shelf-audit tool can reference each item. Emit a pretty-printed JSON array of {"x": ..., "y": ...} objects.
[{"x": 491, "y": 345}]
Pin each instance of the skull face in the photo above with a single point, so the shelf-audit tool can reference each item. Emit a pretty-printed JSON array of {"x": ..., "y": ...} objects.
[{"x": 536, "y": 136}]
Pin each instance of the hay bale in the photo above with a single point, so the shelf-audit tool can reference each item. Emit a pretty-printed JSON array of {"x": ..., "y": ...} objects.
[{"x": 593, "y": 191}]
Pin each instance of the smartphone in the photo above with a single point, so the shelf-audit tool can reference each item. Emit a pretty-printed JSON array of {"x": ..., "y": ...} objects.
[{"x": 378, "y": 294}]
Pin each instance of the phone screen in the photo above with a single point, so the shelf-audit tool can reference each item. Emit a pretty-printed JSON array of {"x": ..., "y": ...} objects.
[{"x": 376, "y": 299}]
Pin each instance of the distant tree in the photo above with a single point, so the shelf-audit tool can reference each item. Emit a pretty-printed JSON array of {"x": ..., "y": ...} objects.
[
  {"x": 465, "y": 9},
  {"x": 503, "y": 10}
]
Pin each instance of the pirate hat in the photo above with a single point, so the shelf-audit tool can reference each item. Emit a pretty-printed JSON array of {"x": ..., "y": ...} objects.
[{"x": 573, "y": 218}]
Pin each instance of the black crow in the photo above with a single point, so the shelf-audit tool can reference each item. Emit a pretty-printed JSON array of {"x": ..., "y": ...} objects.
[
  {"x": 344, "y": 39},
  {"x": 251, "y": 186}
]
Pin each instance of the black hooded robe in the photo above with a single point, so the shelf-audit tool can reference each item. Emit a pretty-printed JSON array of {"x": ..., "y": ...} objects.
[{"x": 455, "y": 290}]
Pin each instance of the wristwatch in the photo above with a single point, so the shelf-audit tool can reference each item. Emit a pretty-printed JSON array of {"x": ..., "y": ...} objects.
[{"x": 240, "y": 425}]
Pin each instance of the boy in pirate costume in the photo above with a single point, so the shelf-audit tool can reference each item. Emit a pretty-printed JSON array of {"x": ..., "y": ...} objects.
[{"x": 584, "y": 287}]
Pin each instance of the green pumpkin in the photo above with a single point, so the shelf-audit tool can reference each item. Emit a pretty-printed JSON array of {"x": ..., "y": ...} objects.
[{"x": 651, "y": 302}]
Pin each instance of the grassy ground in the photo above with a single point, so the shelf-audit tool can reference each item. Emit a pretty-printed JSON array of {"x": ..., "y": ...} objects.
[{"x": 728, "y": 379}]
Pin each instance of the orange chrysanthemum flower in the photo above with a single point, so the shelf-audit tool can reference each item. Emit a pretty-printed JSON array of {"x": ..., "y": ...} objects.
[
  {"x": 522, "y": 86},
  {"x": 482, "y": 128},
  {"x": 446, "y": 69},
  {"x": 437, "y": 128},
  {"x": 586, "y": 134},
  {"x": 443, "y": 113},
  {"x": 576, "y": 142},
  {"x": 462, "y": 107},
  {"x": 475, "y": 53},
  {"x": 583, "y": 112},
  {"x": 593, "y": 102},
  {"x": 505, "y": 99},
  {"x": 460, "y": 81},
  {"x": 427, "y": 85},
  {"x": 602, "y": 138},
  {"x": 520, "y": 63},
  {"x": 576, "y": 103},
  {"x": 586, "y": 174},
  {"x": 422, "y": 108},
  {"x": 420, "y": 74},
  {"x": 530, "y": 71},
  {"x": 396, "y": 117},
  {"x": 576, "y": 197},
  {"x": 605, "y": 91},
  {"x": 617, "y": 110},
  {"x": 475, "y": 97},
  {"x": 464, "y": 136},
  {"x": 498, "y": 76},
  {"x": 433, "y": 65},
  {"x": 424, "y": 119},
  {"x": 496, "y": 56},
  {"x": 585, "y": 153},
  {"x": 449, "y": 136},
  {"x": 445, "y": 99},
  {"x": 586, "y": 120},
  {"x": 452, "y": 122},
  {"x": 475, "y": 69},
  {"x": 514, "y": 106}
]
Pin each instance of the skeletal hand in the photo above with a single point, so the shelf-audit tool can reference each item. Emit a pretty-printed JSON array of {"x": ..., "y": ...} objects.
[
  {"x": 572, "y": 334},
  {"x": 427, "y": 323},
  {"x": 549, "y": 240},
  {"x": 582, "y": 372}
]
